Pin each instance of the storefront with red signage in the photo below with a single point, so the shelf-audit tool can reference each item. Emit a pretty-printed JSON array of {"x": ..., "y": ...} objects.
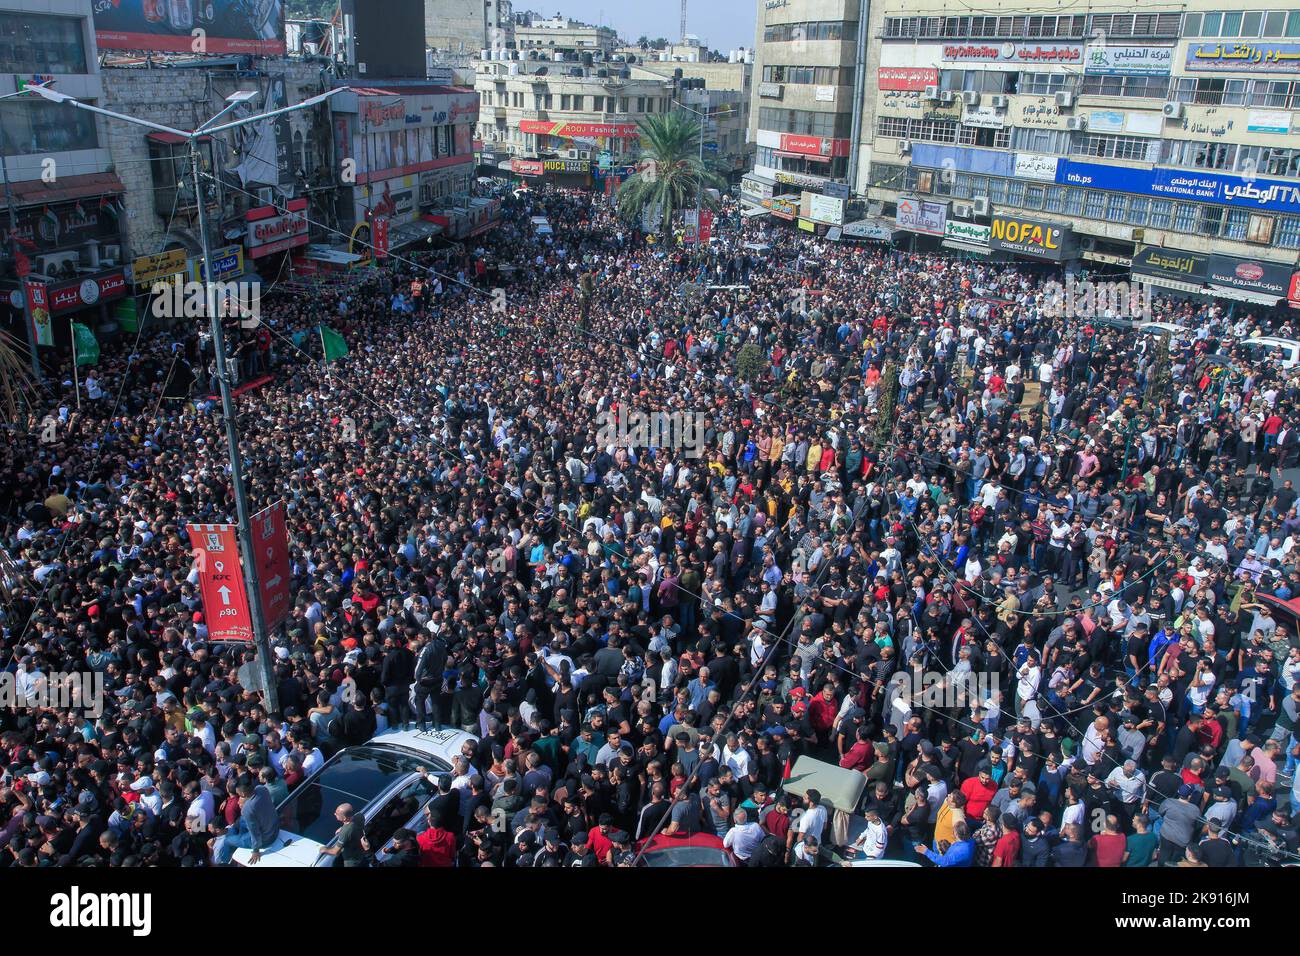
[
  {"x": 272, "y": 231},
  {"x": 64, "y": 247},
  {"x": 411, "y": 150}
]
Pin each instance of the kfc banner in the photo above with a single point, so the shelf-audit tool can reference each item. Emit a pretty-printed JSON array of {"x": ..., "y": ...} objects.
[
  {"x": 271, "y": 545},
  {"x": 221, "y": 582}
]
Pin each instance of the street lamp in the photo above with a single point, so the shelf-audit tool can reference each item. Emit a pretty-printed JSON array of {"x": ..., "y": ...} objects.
[{"x": 208, "y": 128}]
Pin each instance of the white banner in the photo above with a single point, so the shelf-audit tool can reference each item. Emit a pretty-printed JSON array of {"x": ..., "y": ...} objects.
[{"x": 1036, "y": 166}]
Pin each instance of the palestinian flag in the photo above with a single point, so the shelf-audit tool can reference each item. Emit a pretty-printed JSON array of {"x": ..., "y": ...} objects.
[{"x": 110, "y": 207}]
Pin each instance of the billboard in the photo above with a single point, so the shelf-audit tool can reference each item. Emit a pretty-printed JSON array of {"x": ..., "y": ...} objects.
[
  {"x": 388, "y": 37},
  {"x": 909, "y": 78},
  {"x": 563, "y": 129},
  {"x": 1170, "y": 263},
  {"x": 221, "y": 582},
  {"x": 1129, "y": 60},
  {"x": 915, "y": 215},
  {"x": 272, "y": 230},
  {"x": 1070, "y": 53},
  {"x": 1243, "y": 57},
  {"x": 1026, "y": 236},
  {"x": 192, "y": 26},
  {"x": 1252, "y": 275}
]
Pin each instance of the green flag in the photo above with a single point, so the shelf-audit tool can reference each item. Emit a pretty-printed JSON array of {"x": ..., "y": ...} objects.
[
  {"x": 86, "y": 344},
  {"x": 335, "y": 346}
]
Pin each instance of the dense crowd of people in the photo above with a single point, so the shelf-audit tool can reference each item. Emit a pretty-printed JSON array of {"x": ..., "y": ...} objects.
[{"x": 1025, "y": 573}]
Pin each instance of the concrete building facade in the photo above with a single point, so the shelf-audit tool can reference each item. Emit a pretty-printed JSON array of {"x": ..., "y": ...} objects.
[{"x": 804, "y": 113}]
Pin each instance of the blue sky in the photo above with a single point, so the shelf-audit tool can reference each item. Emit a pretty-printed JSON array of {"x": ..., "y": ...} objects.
[{"x": 724, "y": 24}]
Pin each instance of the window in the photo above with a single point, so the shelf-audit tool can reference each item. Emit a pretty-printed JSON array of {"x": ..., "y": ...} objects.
[
  {"x": 1094, "y": 204},
  {"x": 1042, "y": 84},
  {"x": 1288, "y": 232},
  {"x": 169, "y": 167},
  {"x": 1185, "y": 216},
  {"x": 31, "y": 126},
  {"x": 1117, "y": 147},
  {"x": 1250, "y": 23},
  {"x": 1260, "y": 228},
  {"x": 1192, "y": 25},
  {"x": 1153, "y": 87},
  {"x": 1161, "y": 209},
  {"x": 1034, "y": 197},
  {"x": 1231, "y": 24},
  {"x": 1116, "y": 207},
  {"x": 1211, "y": 220},
  {"x": 34, "y": 43},
  {"x": 1054, "y": 201},
  {"x": 1074, "y": 201},
  {"x": 1137, "y": 210},
  {"x": 1210, "y": 24}
]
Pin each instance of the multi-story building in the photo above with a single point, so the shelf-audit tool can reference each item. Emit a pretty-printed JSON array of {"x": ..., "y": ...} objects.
[
  {"x": 558, "y": 33},
  {"x": 568, "y": 109},
  {"x": 719, "y": 91},
  {"x": 804, "y": 114},
  {"x": 62, "y": 258},
  {"x": 1158, "y": 140},
  {"x": 467, "y": 26}
]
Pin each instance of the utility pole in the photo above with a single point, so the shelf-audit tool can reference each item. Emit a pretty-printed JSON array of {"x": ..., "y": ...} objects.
[{"x": 245, "y": 532}]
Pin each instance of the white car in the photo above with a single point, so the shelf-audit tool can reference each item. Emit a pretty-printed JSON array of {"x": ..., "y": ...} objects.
[
  {"x": 1267, "y": 347},
  {"x": 380, "y": 778}
]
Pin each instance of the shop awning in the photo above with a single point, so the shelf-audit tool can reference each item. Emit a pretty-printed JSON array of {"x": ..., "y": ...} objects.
[
  {"x": 755, "y": 178},
  {"x": 879, "y": 229},
  {"x": 32, "y": 191},
  {"x": 753, "y": 212},
  {"x": 786, "y": 154},
  {"x": 1174, "y": 285},
  {"x": 1242, "y": 295},
  {"x": 405, "y": 235},
  {"x": 960, "y": 246}
]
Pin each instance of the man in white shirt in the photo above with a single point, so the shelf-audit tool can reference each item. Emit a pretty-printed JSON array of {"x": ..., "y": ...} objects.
[
  {"x": 744, "y": 837},
  {"x": 873, "y": 841}
]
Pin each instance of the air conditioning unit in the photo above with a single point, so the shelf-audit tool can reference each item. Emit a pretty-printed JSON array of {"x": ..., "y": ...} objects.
[
  {"x": 1076, "y": 123},
  {"x": 947, "y": 96},
  {"x": 1088, "y": 243},
  {"x": 1173, "y": 110},
  {"x": 904, "y": 145},
  {"x": 962, "y": 210},
  {"x": 980, "y": 206},
  {"x": 999, "y": 102},
  {"x": 1065, "y": 100},
  {"x": 970, "y": 98},
  {"x": 932, "y": 92}
]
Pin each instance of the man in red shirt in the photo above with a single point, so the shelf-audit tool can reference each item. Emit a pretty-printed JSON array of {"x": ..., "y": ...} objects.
[
  {"x": 1107, "y": 847},
  {"x": 437, "y": 846},
  {"x": 1006, "y": 852},
  {"x": 821, "y": 712},
  {"x": 979, "y": 791}
]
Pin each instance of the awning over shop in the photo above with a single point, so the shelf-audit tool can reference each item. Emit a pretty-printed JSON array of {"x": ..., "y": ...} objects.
[
  {"x": 405, "y": 235},
  {"x": 1174, "y": 285},
  {"x": 960, "y": 246},
  {"x": 1242, "y": 295},
  {"x": 753, "y": 212},
  {"x": 64, "y": 188},
  {"x": 879, "y": 229}
]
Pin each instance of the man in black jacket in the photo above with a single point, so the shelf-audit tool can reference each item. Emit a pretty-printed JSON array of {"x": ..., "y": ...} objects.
[
  {"x": 428, "y": 682},
  {"x": 397, "y": 674}
]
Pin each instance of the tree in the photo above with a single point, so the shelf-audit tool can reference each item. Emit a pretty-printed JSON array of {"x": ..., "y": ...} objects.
[
  {"x": 17, "y": 386},
  {"x": 750, "y": 362},
  {"x": 670, "y": 175}
]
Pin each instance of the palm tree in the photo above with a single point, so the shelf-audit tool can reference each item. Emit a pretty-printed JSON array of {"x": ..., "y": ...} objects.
[
  {"x": 18, "y": 390},
  {"x": 671, "y": 174}
]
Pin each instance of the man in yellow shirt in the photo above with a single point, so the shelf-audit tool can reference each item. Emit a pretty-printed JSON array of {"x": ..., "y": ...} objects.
[{"x": 950, "y": 811}]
